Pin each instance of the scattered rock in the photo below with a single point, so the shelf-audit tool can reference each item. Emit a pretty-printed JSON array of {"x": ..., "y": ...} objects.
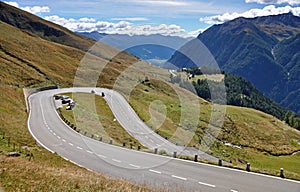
[{"x": 13, "y": 154}]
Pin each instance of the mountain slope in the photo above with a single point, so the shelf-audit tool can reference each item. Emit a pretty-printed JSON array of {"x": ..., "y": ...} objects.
[
  {"x": 239, "y": 92},
  {"x": 42, "y": 28},
  {"x": 29, "y": 60},
  {"x": 256, "y": 50},
  {"x": 155, "y": 49}
]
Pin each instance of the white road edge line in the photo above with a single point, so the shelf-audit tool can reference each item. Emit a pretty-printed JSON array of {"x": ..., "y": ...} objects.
[
  {"x": 209, "y": 185},
  {"x": 29, "y": 128},
  {"x": 89, "y": 151},
  {"x": 177, "y": 177},
  {"x": 151, "y": 170}
]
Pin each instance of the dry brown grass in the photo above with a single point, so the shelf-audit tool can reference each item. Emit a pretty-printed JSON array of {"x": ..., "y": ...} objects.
[
  {"x": 27, "y": 60},
  {"x": 55, "y": 174}
]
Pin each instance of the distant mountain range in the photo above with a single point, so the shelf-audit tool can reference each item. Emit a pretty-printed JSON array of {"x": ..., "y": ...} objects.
[
  {"x": 155, "y": 49},
  {"x": 264, "y": 50}
]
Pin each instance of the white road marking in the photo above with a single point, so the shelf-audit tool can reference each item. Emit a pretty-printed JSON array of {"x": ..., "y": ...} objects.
[
  {"x": 58, "y": 137},
  {"x": 63, "y": 140},
  {"x": 116, "y": 160},
  {"x": 54, "y": 134},
  {"x": 51, "y": 131},
  {"x": 233, "y": 190},
  {"x": 206, "y": 184},
  {"x": 136, "y": 166},
  {"x": 151, "y": 170},
  {"x": 151, "y": 140},
  {"x": 101, "y": 156},
  {"x": 79, "y": 148},
  {"x": 89, "y": 151},
  {"x": 71, "y": 144},
  {"x": 177, "y": 177}
]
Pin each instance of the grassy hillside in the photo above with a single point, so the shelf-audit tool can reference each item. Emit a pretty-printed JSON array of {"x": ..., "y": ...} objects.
[
  {"x": 38, "y": 27},
  {"x": 248, "y": 135},
  {"x": 87, "y": 116},
  {"x": 28, "y": 60}
]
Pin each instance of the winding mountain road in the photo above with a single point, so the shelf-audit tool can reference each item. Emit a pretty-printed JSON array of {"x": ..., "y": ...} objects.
[{"x": 158, "y": 171}]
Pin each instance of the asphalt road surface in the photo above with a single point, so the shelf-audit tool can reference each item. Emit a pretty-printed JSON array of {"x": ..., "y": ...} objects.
[{"x": 157, "y": 171}]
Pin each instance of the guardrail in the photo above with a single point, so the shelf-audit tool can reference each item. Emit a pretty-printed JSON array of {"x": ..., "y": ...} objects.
[{"x": 155, "y": 151}]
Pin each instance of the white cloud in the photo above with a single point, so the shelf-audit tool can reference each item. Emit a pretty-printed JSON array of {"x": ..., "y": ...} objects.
[
  {"x": 130, "y": 19},
  {"x": 268, "y": 10},
  {"x": 15, "y": 4},
  {"x": 163, "y": 29},
  {"x": 33, "y": 10},
  {"x": 160, "y": 2},
  {"x": 290, "y": 2},
  {"x": 121, "y": 27},
  {"x": 36, "y": 9}
]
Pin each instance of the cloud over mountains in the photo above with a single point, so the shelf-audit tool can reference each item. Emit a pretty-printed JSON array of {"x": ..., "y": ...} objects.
[{"x": 268, "y": 10}]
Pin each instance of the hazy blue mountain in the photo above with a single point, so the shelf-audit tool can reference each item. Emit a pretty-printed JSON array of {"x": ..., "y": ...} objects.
[{"x": 155, "y": 49}]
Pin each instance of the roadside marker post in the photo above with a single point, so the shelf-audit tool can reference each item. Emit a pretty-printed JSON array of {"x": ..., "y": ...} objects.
[
  {"x": 220, "y": 162},
  {"x": 248, "y": 167},
  {"x": 196, "y": 158},
  {"x": 281, "y": 172}
]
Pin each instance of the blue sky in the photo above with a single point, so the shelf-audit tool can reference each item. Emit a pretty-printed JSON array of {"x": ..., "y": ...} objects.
[{"x": 167, "y": 17}]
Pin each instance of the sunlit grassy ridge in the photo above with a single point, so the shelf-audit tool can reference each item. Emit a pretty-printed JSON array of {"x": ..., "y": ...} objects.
[
  {"x": 97, "y": 118},
  {"x": 27, "y": 60}
]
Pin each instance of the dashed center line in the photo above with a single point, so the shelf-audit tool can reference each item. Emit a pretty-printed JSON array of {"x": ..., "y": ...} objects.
[
  {"x": 101, "y": 156},
  {"x": 136, "y": 166},
  {"x": 233, "y": 190},
  {"x": 177, "y": 177},
  {"x": 116, "y": 160},
  {"x": 151, "y": 170},
  {"x": 58, "y": 137},
  {"x": 209, "y": 185},
  {"x": 79, "y": 148},
  {"x": 89, "y": 151},
  {"x": 71, "y": 144},
  {"x": 63, "y": 140}
]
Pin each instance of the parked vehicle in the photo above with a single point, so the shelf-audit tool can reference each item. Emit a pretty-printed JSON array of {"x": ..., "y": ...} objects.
[
  {"x": 66, "y": 101},
  {"x": 70, "y": 106}
]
